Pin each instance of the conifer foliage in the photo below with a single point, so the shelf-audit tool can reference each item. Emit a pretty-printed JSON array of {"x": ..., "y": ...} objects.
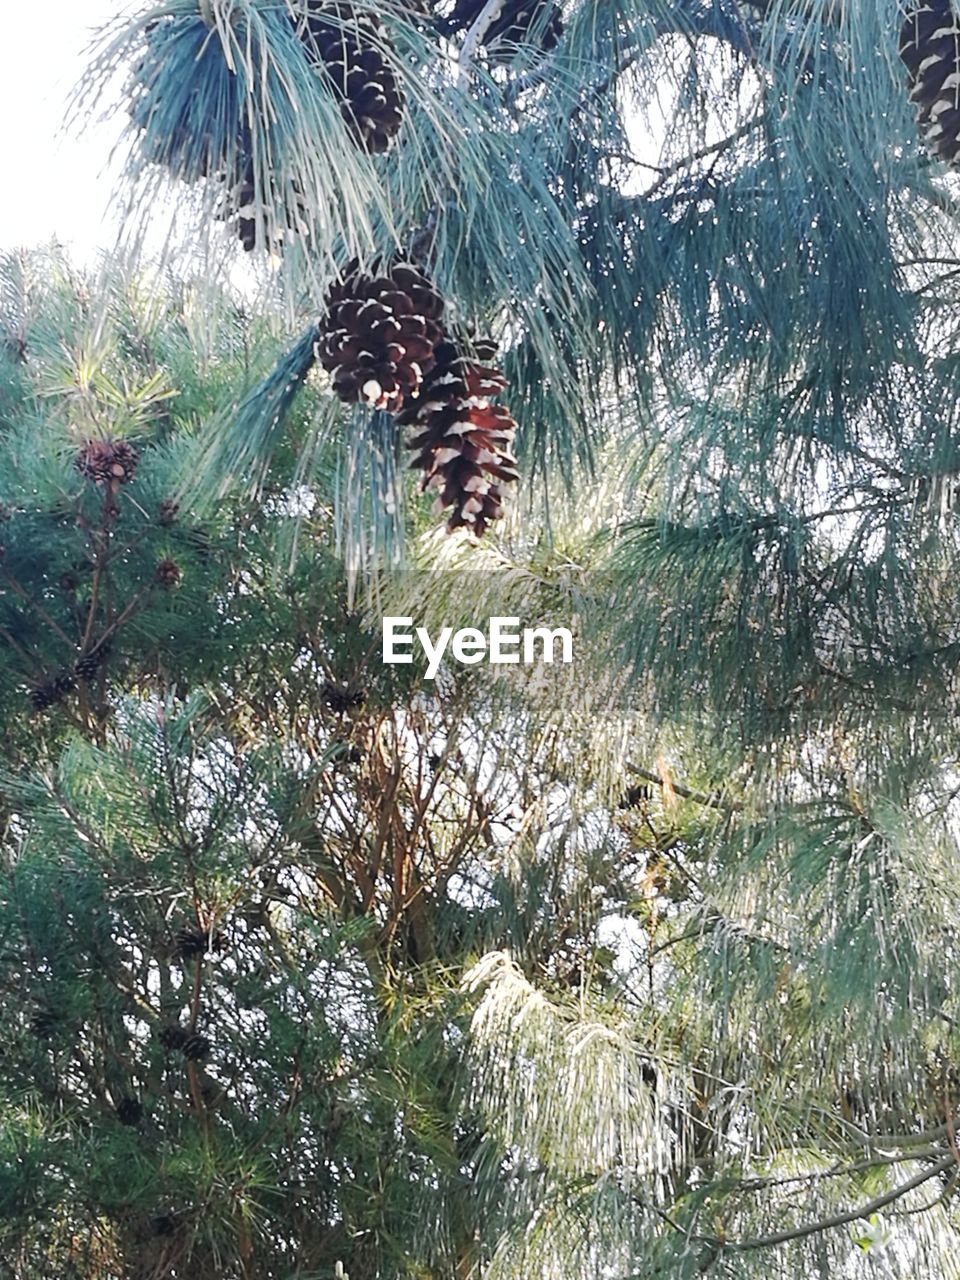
[{"x": 638, "y": 968}]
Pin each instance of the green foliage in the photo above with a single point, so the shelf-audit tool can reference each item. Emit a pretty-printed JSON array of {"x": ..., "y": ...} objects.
[{"x": 640, "y": 968}]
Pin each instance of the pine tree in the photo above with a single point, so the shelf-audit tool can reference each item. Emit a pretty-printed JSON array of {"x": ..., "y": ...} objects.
[{"x": 643, "y": 969}]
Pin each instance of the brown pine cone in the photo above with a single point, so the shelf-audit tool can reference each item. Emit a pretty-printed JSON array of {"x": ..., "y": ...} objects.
[
  {"x": 379, "y": 334},
  {"x": 167, "y": 573},
  {"x": 112, "y": 462},
  {"x": 930, "y": 49},
  {"x": 462, "y": 441},
  {"x": 349, "y": 44}
]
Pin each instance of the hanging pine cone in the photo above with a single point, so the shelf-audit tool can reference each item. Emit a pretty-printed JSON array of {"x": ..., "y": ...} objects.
[
  {"x": 270, "y": 224},
  {"x": 89, "y": 664},
  {"x": 167, "y": 512},
  {"x": 129, "y": 1111},
  {"x": 112, "y": 462},
  {"x": 379, "y": 334},
  {"x": 930, "y": 49},
  {"x": 463, "y": 441},
  {"x": 190, "y": 942},
  {"x": 340, "y": 698},
  {"x": 349, "y": 44},
  {"x": 54, "y": 691},
  {"x": 43, "y": 1023},
  {"x": 196, "y": 1047},
  {"x": 163, "y": 1224},
  {"x": 518, "y": 22},
  {"x": 636, "y": 797},
  {"x": 167, "y": 573}
]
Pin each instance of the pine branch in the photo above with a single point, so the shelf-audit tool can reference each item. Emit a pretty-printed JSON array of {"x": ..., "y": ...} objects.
[
  {"x": 474, "y": 38},
  {"x": 837, "y": 1220},
  {"x": 714, "y": 801}
]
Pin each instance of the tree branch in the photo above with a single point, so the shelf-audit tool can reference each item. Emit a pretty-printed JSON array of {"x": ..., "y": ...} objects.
[
  {"x": 839, "y": 1219},
  {"x": 474, "y": 38},
  {"x": 714, "y": 801}
]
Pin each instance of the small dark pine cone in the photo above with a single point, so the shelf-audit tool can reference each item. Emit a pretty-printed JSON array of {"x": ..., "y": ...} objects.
[
  {"x": 88, "y": 664},
  {"x": 168, "y": 573},
  {"x": 16, "y": 347},
  {"x": 173, "y": 1036},
  {"x": 196, "y": 1047},
  {"x": 635, "y": 796},
  {"x": 129, "y": 1111},
  {"x": 648, "y": 1073},
  {"x": 339, "y": 698},
  {"x": 352, "y": 48},
  {"x": 268, "y": 223},
  {"x": 930, "y": 50},
  {"x": 462, "y": 440},
  {"x": 68, "y": 581},
  {"x": 167, "y": 512},
  {"x": 54, "y": 691},
  {"x": 112, "y": 462},
  {"x": 190, "y": 942},
  {"x": 163, "y": 1224},
  {"x": 379, "y": 334}
]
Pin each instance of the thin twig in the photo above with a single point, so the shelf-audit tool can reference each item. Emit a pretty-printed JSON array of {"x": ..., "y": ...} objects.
[{"x": 714, "y": 801}]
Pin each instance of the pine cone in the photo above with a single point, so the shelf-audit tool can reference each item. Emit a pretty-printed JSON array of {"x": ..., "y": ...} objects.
[
  {"x": 15, "y": 346},
  {"x": 238, "y": 205},
  {"x": 54, "y": 691},
  {"x": 930, "y": 49},
  {"x": 462, "y": 440},
  {"x": 129, "y": 1111},
  {"x": 167, "y": 512},
  {"x": 518, "y": 22},
  {"x": 196, "y": 1047},
  {"x": 43, "y": 1023},
  {"x": 190, "y": 942},
  {"x": 636, "y": 796},
  {"x": 379, "y": 334},
  {"x": 168, "y": 573},
  {"x": 112, "y": 462},
  {"x": 89, "y": 664},
  {"x": 340, "y": 698},
  {"x": 349, "y": 45}
]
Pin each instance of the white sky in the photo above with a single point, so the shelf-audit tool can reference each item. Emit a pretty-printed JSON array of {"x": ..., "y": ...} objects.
[{"x": 53, "y": 186}]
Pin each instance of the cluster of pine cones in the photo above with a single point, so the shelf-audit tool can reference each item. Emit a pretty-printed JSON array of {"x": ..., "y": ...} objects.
[
  {"x": 351, "y": 50},
  {"x": 930, "y": 49},
  {"x": 384, "y": 342}
]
